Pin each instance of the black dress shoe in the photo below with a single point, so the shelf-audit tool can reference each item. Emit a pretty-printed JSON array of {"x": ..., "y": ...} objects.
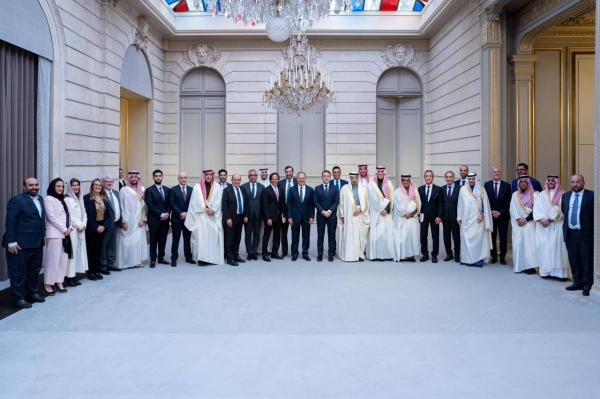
[
  {"x": 574, "y": 287},
  {"x": 99, "y": 276},
  {"x": 105, "y": 272},
  {"x": 152, "y": 264},
  {"x": 330, "y": 258},
  {"x": 306, "y": 257},
  {"x": 586, "y": 291},
  {"x": 266, "y": 258},
  {"x": 448, "y": 258},
  {"x": 202, "y": 263},
  {"x": 319, "y": 258},
  {"x": 530, "y": 271},
  {"x": 275, "y": 256},
  {"x": 563, "y": 279},
  {"x": 174, "y": 263},
  {"x": 163, "y": 261},
  {"x": 284, "y": 254},
  {"x": 493, "y": 260},
  {"x": 232, "y": 262},
  {"x": 35, "y": 298},
  {"x": 70, "y": 282},
  {"x": 434, "y": 259},
  {"x": 412, "y": 259},
  {"x": 503, "y": 261},
  {"x": 424, "y": 259},
  {"x": 190, "y": 260},
  {"x": 64, "y": 290},
  {"x": 255, "y": 256},
  {"x": 240, "y": 260},
  {"x": 21, "y": 304},
  {"x": 457, "y": 259},
  {"x": 250, "y": 257},
  {"x": 91, "y": 276},
  {"x": 294, "y": 258},
  {"x": 361, "y": 259},
  {"x": 114, "y": 269}
]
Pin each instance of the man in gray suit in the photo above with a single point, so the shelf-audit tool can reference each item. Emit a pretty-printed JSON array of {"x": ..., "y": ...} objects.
[
  {"x": 253, "y": 190},
  {"x": 109, "y": 243}
]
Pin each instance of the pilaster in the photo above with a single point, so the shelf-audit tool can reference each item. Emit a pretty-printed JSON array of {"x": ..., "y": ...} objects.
[{"x": 596, "y": 291}]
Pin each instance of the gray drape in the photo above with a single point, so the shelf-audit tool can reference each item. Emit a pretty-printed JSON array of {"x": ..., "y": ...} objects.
[{"x": 18, "y": 98}]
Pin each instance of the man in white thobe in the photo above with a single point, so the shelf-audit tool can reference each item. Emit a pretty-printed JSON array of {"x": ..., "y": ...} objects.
[
  {"x": 475, "y": 220},
  {"x": 380, "y": 194},
  {"x": 553, "y": 259},
  {"x": 363, "y": 175},
  {"x": 133, "y": 243},
  {"x": 352, "y": 221},
  {"x": 204, "y": 221},
  {"x": 407, "y": 230},
  {"x": 523, "y": 227},
  {"x": 264, "y": 176}
]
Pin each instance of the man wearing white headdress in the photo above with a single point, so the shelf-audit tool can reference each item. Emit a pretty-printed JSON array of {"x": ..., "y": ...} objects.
[
  {"x": 553, "y": 259},
  {"x": 133, "y": 242},
  {"x": 523, "y": 227},
  {"x": 407, "y": 229},
  {"x": 263, "y": 178},
  {"x": 475, "y": 220},
  {"x": 363, "y": 175},
  {"x": 380, "y": 194},
  {"x": 352, "y": 221},
  {"x": 204, "y": 221}
]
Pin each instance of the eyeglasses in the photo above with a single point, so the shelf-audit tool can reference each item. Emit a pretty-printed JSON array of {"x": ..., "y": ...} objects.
[{"x": 252, "y": 175}]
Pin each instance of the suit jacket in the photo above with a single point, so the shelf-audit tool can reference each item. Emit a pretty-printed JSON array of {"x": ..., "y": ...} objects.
[
  {"x": 90, "y": 210},
  {"x": 117, "y": 198},
  {"x": 450, "y": 212},
  {"x": 23, "y": 223},
  {"x": 254, "y": 204},
  {"x": 281, "y": 185},
  {"x": 56, "y": 218},
  {"x": 327, "y": 202},
  {"x": 301, "y": 211},
  {"x": 586, "y": 215},
  {"x": 502, "y": 204},
  {"x": 435, "y": 206},
  {"x": 178, "y": 205},
  {"x": 271, "y": 207},
  {"x": 342, "y": 183},
  {"x": 229, "y": 203},
  {"x": 537, "y": 186},
  {"x": 156, "y": 205}
]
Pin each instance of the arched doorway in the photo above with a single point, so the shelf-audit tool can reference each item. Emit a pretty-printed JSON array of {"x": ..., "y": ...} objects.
[
  {"x": 400, "y": 124},
  {"x": 202, "y": 122}
]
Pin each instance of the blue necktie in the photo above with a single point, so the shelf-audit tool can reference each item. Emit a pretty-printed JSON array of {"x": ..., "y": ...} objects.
[
  {"x": 239, "y": 201},
  {"x": 253, "y": 196},
  {"x": 575, "y": 210}
]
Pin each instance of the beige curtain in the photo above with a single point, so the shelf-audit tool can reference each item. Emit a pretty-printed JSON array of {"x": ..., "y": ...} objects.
[{"x": 18, "y": 98}]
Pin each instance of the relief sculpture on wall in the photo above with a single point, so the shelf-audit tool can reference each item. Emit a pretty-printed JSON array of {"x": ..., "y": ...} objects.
[
  {"x": 201, "y": 55},
  {"x": 404, "y": 55}
]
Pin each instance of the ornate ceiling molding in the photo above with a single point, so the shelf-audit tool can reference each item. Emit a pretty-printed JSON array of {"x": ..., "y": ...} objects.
[
  {"x": 404, "y": 55},
  {"x": 201, "y": 54},
  {"x": 538, "y": 9}
]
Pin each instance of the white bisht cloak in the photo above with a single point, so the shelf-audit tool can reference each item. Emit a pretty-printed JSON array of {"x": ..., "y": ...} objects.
[
  {"x": 523, "y": 238},
  {"x": 407, "y": 232},
  {"x": 207, "y": 231},
  {"x": 132, "y": 244},
  {"x": 78, "y": 217},
  {"x": 380, "y": 241},
  {"x": 475, "y": 238},
  {"x": 351, "y": 233},
  {"x": 552, "y": 256}
]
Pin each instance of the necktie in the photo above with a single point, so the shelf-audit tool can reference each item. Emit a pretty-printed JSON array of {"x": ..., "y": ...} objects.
[
  {"x": 110, "y": 197},
  {"x": 276, "y": 193},
  {"x": 252, "y": 190},
  {"x": 287, "y": 188},
  {"x": 574, "y": 210},
  {"x": 449, "y": 191},
  {"x": 239, "y": 201},
  {"x": 462, "y": 183},
  {"x": 162, "y": 195},
  {"x": 427, "y": 193},
  {"x": 496, "y": 190},
  {"x": 337, "y": 184},
  {"x": 184, "y": 193},
  {"x": 326, "y": 189},
  {"x": 301, "y": 193}
]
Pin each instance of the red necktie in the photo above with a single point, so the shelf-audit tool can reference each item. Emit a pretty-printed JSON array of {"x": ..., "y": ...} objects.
[{"x": 276, "y": 193}]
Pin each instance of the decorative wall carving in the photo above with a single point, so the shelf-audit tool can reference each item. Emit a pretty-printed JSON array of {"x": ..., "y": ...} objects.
[
  {"x": 404, "y": 55},
  {"x": 201, "y": 55},
  {"x": 490, "y": 29},
  {"x": 537, "y": 10},
  {"x": 141, "y": 35}
]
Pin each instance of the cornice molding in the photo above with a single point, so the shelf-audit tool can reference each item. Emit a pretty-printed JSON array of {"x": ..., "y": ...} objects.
[{"x": 537, "y": 10}]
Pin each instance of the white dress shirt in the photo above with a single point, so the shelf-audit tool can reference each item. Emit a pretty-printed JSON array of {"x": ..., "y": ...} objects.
[{"x": 113, "y": 199}]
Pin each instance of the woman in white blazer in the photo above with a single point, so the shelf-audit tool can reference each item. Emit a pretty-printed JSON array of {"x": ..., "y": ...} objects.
[{"x": 74, "y": 201}]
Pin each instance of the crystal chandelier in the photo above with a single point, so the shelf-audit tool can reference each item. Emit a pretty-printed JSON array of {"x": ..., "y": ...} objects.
[{"x": 299, "y": 87}]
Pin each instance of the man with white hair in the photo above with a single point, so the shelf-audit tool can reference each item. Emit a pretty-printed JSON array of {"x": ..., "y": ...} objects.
[
  {"x": 523, "y": 227},
  {"x": 407, "y": 206},
  {"x": 475, "y": 220},
  {"x": 352, "y": 221},
  {"x": 133, "y": 243},
  {"x": 380, "y": 193},
  {"x": 108, "y": 259}
]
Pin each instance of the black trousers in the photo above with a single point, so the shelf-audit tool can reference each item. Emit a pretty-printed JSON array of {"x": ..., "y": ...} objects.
[
  {"x": 500, "y": 227},
  {"x": 581, "y": 258},
  {"x": 276, "y": 230},
  {"x": 296, "y": 227},
  {"x": 108, "y": 257},
  {"x": 331, "y": 224},
  {"x": 158, "y": 239},
  {"x": 233, "y": 236},
  {"x": 252, "y": 235},
  {"x": 94, "y": 243},
  {"x": 435, "y": 236},
  {"x": 452, "y": 233},
  {"x": 177, "y": 229},
  {"x": 284, "y": 237},
  {"x": 23, "y": 270}
]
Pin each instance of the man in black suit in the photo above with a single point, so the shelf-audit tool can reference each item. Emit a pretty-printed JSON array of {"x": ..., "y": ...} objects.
[
  {"x": 108, "y": 259},
  {"x": 179, "y": 199},
  {"x": 432, "y": 208},
  {"x": 234, "y": 207},
  {"x": 449, "y": 215},
  {"x": 499, "y": 194},
  {"x": 464, "y": 171},
  {"x": 337, "y": 180},
  {"x": 121, "y": 180},
  {"x": 157, "y": 201},
  {"x": 578, "y": 231},
  {"x": 253, "y": 191},
  {"x": 523, "y": 169},
  {"x": 326, "y": 199},
  {"x": 272, "y": 209},
  {"x": 25, "y": 227},
  {"x": 301, "y": 213},
  {"x": 284, "y": 186}
]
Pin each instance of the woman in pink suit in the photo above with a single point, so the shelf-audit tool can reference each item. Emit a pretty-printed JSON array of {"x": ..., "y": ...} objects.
[{"x": 58, "y": 243}]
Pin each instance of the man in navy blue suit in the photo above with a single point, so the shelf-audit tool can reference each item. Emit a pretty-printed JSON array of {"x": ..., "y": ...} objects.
[
  {"x": 24, "y": 242},
  {"x": 179, "y": 198},
  {"x": 159, "y": 209},
  {"x": 337, "y": 180},
  {"x": 301, "y": 213},
  {"x": 284, "y": 186},
  {"x": 326, "y": 199},
  {"x": 523, "y": 169}
]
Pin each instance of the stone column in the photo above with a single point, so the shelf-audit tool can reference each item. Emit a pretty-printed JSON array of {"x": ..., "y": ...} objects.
[
  {"x": 522, "y": 75},
  {"x": 595, "y": 294},
  {"x": 491, "y": 43}
]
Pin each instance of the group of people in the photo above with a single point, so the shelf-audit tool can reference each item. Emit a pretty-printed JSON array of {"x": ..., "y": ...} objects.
[{"x": 108, "y": 230}]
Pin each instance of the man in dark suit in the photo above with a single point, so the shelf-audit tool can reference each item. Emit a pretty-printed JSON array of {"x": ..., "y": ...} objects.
[
  {"x": 523, "y": 169},
  {"x": 24, "y": 242},
  {"x": 326, "y": 199},
  {"x": 179, "y": 199},
  {"x": 284, "y": 186},
  {"x": 464, "y": 171},
  {"x": 157, "y": 201},
  {"x": 337, "y": 180},
  {"x": 234, "y": 208},
  {"x": 253, "y": 191},
  {"x": 499, "y": 194},
  {"x": 301, "y": 213},
  {"x": 449, "y": 215},
  {"x": 272, "y": 210},
  {"x": 432, "y": 208},
  {"x": 121, "y": 180},
  {"x": 578, "y": 230},
  {"x": 109, "y": 242}
]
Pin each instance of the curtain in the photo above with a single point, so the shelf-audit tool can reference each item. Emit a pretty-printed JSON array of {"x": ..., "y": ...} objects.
[{"x": 18, "y": 115}]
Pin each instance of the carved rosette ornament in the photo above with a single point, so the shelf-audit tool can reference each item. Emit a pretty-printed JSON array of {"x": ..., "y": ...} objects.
[
  {"x": 141, "y": 35},
  {"x": 201, "y": 55},
  {"x": 403, "y": 55}
]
